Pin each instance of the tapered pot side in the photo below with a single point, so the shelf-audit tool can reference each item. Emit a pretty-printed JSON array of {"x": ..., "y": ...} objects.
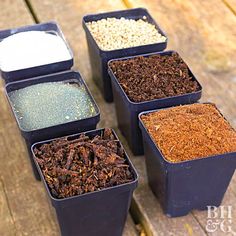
[
  {"x": 184, "y": 186},
  {"x": 127, "y": 111},
  {"x": 99, "y": 58},
  {"x": 49, "y": 27},
  {"x": 100, "y": 212},
  {"x": 68, "y": 128}
]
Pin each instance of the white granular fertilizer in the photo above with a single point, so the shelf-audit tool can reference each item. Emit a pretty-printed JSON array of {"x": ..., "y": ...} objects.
[
  {"x": 114, "y": 33},
  {"x": 30, "y": 49}
]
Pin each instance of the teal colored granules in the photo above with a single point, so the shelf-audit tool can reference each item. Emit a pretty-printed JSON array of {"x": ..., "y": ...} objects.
[{"x": 53, "y": 103}]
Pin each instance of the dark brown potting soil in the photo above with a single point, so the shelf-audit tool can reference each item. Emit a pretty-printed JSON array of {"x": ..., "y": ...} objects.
[
  {"x": 82, "y": 165},
  {"x": 190, "y": 132},
  {"x": 153, "y": 77}
]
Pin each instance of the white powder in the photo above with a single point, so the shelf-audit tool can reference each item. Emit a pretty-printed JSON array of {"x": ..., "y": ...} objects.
[{"x": 30, "y": 49}]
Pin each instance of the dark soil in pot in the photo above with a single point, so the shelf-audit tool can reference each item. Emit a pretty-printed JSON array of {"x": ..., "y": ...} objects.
[{"x": 148, "y": 78}]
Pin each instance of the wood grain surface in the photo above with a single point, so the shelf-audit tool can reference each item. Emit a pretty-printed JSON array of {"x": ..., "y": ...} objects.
[
  {"x": 24, "y": 206},
  {"x": 204, "y": 34},
  {"x": 207, "y": 43}
]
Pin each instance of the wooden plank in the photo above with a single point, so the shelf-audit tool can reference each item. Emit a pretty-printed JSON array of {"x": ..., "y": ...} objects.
[
  {"x": 72, "y": 11},
  {"x": 7, "y": 226},
  {"x": 32, "y": 213},
  {"x": 160, "y": 224},
  {"x": 231, "y": 4},
  {"x": 130, "y": 228},
  {"x": 14, "y": 14},
  {"x": 20, "y": 187},
  {"x": 6, "y": 116},
  {"x": 207, "y": 43},
  {"x": 26, "y": 198}
]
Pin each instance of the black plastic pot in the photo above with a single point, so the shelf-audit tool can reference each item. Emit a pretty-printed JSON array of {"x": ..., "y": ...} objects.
[
  {"x": 57, "y": 130},
  {"x": 101, "y": 212},
  {"x": 50, "y": 27},
  {"x": 127, "y": 111},
  {"x": 184, "y": 186},
  {"x": 99, "y": 57}
]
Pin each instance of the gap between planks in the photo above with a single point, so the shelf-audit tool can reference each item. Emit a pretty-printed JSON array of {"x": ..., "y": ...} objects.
[
  {"x": 31, "y": 10},
  {"x": 2, "y": 187},
  {"x": 231, "y": 5}
]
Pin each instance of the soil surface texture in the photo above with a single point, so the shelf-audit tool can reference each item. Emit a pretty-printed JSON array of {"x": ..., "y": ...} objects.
[
  {"x": 190, "y": 132},
  {"x": 154, "y": 77},
  {"x": 82, "y": 165}
]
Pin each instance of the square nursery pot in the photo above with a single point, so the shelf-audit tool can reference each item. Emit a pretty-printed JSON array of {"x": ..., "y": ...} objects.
[
  {"x": 50, "y": 27},
  {"x": 184, "y": 186},
  {"x": 127, "y": 111},
  {"x": 101, "y": 212},
  {"x": 99, "y": 57},
  {"x": 68, "y": 128}
]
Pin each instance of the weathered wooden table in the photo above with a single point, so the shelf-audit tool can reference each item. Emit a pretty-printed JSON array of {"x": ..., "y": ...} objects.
[{"x": 203, "y": 32}]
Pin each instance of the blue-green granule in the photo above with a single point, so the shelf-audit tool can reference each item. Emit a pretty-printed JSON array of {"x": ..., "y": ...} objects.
[{"x": 48, "y": 104}]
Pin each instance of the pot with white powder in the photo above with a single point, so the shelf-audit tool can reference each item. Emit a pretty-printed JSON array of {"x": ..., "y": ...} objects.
[{"x": 34, "y": 50}]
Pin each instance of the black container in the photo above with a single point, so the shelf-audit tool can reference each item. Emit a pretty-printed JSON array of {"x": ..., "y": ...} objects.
[
  {"x": 60, "y": 129},
  {"x": 127, "y": 111},
  {"x": 184, "y": 186},
  {"x": 99, "y": 57},
  {"x": 101, "y": 212},
  {"x": 50, "y": 27}
]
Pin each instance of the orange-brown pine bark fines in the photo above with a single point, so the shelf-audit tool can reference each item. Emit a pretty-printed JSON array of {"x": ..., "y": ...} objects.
[{"x": 190, "y": 132}]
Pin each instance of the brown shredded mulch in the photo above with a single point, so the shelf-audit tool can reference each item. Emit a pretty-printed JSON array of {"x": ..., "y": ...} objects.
[
  {"x": 190, "y": 132},
  {"x": 82, "y": 165}
]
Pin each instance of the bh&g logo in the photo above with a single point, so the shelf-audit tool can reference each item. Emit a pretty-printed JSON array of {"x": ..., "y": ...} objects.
[{"x": 220, "y": 218}]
